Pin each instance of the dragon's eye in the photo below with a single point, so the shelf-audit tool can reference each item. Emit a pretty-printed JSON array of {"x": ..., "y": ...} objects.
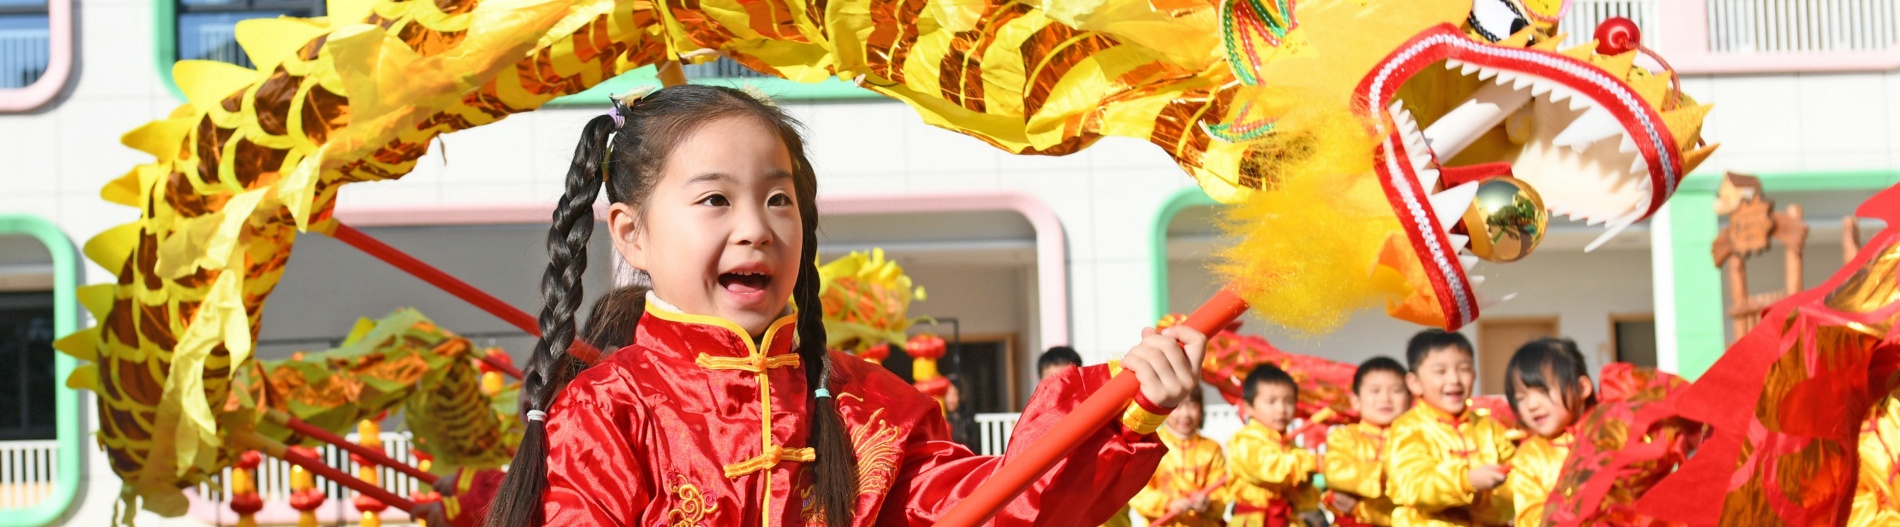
[{"x": 1496, "y": 19}]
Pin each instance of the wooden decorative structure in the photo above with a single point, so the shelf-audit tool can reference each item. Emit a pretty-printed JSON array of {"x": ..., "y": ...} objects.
[{"x": 1752, "y": 226}]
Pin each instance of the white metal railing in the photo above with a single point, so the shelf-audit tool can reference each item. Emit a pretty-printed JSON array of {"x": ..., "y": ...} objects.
[
  {"x": 23, "y": 56},
  {"x": 27, "y": 472},
  {"x": 1218, "y": 422},
  {"x": 723, "y": 68},
  {"x": 273, "y": 475},
  {"x": 1782, "y": 26},
  {"x": 1581, "y": 17}
]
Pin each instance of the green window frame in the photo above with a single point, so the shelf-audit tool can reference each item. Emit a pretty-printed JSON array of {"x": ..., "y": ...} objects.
[{"x": 71, "y": 433}]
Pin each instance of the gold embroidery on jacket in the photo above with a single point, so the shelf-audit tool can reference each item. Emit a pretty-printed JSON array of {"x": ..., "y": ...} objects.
[
  {"x": 878, "y": 452},
  {"x": 692, "y": 508}
]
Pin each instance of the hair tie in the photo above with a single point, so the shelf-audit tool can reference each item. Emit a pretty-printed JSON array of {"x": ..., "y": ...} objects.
[
  {"x": 537, "y": 415},
  {"x": 613, "y": 110},
  {"x": 820, "y": 393}
]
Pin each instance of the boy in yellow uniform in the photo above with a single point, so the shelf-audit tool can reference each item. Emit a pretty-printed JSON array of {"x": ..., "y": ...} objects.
[
  {"x": 1193, "y": 464},
  {"x": 1445, "y": 465},
  {"x": 1355, "y": 454},
  {"x": 1269, "y": 479}
]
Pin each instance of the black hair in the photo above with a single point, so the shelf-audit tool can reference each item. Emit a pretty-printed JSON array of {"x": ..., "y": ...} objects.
[
  {"x": 1058, "y": 356},
  {"x": 626, "y": 158},
  {"x": 610, "y": 323},
  {"x": 1266, "y": 374},
  {"x": 1379, "y": 363},
  {"x": 1425, "y": 342},
  {"x": 1552, "y": 364}
]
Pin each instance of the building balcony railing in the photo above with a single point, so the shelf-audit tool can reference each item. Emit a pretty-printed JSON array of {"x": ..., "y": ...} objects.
[
  {"x": 27, "y": 472},
  {"x": 1754, "y": 36},
  {"x": 24, "y": 56}
]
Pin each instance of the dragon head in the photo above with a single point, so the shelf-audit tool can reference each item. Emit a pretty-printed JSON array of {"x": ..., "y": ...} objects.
[{"x": 1434, "y": 100}]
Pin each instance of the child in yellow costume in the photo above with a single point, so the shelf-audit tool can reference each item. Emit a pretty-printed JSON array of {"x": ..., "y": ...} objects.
[
  {"x": 1445, "y": 464},
  {"x": 1355, "y": 460},
  {"x": 1547, "y": 384},
  {"x": 1269, "y": 479},
  {"x": 1879, "y": 453},
  {"x": 1193, "y": 464}
]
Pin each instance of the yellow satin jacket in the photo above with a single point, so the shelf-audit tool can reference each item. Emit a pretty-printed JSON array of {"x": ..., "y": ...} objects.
[
  {"x": 1429, "y": 456},
  {"x": 1192, "y": 464},
  {"x": 1879, "y": 449},
  {"x": 1534, "y": 472},
  {"x": 1355, "y": 464},
  {"x": 1263, "y": 467}
]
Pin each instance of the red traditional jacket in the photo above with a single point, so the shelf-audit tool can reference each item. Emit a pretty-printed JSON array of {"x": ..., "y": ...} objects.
[{"x": 694, "y": 424}]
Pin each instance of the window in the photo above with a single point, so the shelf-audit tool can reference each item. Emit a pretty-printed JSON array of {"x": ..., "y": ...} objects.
[
  {"x": 987, "y": 364},
  {"x": 722, "y": 72},
  {"x": 25, "y": 44},
  {"x": 207, "y": 29},
  {"x": 42, "y": 424},
  {"x": 1635, "y": 339},
  {"x": 27, "y": 378}
]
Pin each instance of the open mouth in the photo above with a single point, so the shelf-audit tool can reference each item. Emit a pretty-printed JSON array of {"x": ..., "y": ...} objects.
[
  {"x": 745, "y": 282},
  {"x": 1592, "y": 146}
]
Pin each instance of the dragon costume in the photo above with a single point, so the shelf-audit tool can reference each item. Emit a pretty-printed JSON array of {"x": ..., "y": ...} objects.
[{"x": 1389, "y": 111}]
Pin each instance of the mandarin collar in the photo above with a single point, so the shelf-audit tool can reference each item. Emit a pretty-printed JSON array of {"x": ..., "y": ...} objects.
[
  {"x": 778, "y": 338},
  {"x": 1446, "y": 417}
]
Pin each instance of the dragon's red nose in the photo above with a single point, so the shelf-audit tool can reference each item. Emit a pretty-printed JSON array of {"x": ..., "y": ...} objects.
[{"x": 1618, "y": 35}]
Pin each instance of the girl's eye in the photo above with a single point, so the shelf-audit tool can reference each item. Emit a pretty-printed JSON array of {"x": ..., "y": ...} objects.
[
  {"x": 779, "y": 200},
  {"x": 716, "y": 200}
]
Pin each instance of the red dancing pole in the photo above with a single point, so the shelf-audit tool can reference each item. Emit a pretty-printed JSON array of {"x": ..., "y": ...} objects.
[
  {"x": 316, "y": 466},
  {"x": 474, "y": 296},
  {"x": 373, "y": 455},
  {"x": 1010, "y": 480}
]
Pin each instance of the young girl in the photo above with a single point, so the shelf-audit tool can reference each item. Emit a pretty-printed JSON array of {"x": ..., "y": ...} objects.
[
  {"x": 726, "y": 409},
  {"x": 1549, "y": 388}
]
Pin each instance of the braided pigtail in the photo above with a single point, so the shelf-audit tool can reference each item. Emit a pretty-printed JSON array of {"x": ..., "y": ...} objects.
[
  {"x": 835, "y": 480},
  {"x": 550, "y": 367}
]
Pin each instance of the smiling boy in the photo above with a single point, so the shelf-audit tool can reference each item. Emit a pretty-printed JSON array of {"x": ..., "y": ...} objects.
[{"x": 1445, "y": 464}]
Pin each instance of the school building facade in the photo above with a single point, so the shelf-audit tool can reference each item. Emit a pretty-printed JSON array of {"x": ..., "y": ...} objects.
[{"x": 1018, "y": 253}]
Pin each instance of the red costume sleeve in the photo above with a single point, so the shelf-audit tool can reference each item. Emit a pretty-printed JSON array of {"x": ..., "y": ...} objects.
[
  {"x": 1085, "y": 489},
  {"x": 593, "y": 478}
]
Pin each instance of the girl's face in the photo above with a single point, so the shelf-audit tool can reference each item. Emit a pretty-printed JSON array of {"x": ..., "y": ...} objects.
[
  {"x": 1543, "y": 411},
  {"x": 720, "y": 234},
  {"x": 1382, "y": 396}
]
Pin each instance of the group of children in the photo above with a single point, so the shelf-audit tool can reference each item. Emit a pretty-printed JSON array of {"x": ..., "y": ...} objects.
[{"x": 1438, "y": 462}]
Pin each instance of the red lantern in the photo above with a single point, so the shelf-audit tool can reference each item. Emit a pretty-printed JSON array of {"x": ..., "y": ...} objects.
[{"x": 877, "y": 354}]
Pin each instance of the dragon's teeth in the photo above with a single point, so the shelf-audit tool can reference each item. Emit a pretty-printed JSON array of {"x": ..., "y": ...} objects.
[
  {"x": 1594, "y": 125},
  {"x": 1458, "y": 241},
  {"x": 1627, "y": 145},
  {"x": 1450, "y": 205},
  {"x": 1615, "y": 228},
  {"x": 1486, "y": 301}
]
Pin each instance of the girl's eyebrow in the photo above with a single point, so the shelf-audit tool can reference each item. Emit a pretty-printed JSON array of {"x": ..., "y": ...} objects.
[{"x": 775, "y": 175}]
